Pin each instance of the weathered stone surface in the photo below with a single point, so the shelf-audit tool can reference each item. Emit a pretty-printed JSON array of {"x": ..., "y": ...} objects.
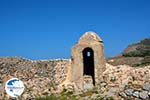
[
  {"x": 112, "y": 92},
  {"x": 146, "y": 86},
  {"x": 103, "y": 84},
  {"x": 129, "y": 92},
  {"x": 94, "y": 96},
  {"x": 122, "y": 94},
  {"x": 88, "y": 82},
  {"x": 136, "y": 94},
  {"x": 143, "y": 95},
  {"x": 89, "y": 38},
  {"x": 149, "y": 94}
]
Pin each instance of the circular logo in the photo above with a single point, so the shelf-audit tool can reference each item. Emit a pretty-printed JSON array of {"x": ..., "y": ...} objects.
[{"x": 14, "y": 87}]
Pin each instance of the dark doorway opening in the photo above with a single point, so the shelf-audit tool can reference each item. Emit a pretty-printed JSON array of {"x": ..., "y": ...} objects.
[{"x": 88, "y": 63}]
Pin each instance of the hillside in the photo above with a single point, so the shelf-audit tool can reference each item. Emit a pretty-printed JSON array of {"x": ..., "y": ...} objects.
[{"x": 136, "y": 54}]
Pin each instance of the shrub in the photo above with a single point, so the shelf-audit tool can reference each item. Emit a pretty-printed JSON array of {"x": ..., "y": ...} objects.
[
  {"x": 52, "y": 97},
  {"x": 146, "y": 60},
  {"x": 110, "y": 98},
  {"x": 133, "y": 54},
  {"x": 146, "y": 41}
]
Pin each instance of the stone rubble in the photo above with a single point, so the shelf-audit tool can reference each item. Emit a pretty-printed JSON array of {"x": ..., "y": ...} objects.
[
  {"x": 132, "y": 82},
  {"x": 39, "y": 77}
]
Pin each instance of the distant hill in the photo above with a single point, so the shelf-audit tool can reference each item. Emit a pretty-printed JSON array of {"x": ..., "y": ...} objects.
[{"x": 135, "y": 54}]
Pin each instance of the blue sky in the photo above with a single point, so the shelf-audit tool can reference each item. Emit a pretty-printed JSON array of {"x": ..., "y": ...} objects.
[{"x": 45, "y": 29}]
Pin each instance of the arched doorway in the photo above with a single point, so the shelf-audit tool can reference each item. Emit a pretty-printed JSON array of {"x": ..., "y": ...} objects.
[{"x": 88, "y": 63}]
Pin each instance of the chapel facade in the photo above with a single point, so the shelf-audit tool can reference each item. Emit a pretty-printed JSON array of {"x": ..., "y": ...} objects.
[{"x": 88, "y": 61}]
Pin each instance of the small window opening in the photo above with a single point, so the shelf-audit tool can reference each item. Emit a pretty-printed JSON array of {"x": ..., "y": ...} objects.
[{"x": 88, "y": 54}]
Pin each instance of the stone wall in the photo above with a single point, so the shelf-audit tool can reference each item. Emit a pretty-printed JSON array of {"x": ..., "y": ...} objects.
[
  {"x": 39, "y": 77},
  {"x": 42, "y": 78}
]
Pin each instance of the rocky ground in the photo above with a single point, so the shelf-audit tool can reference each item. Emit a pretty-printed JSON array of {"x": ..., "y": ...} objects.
[
  {"x": 39, "y": 77},
  {"x": 125, "y": 82},
  {"x": 43, "y": 78}
]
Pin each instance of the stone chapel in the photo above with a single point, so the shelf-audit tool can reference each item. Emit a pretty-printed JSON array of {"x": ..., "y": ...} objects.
[{"x": 88, "y": 61}]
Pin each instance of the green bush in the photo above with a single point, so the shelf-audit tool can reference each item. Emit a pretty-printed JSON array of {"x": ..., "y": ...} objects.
[
  {"x": 145, "y": 41},
  {"x": 138, "y": 53},
  {"x": 62, "y": 96},
  {"x": 110, "y": 98},
  {"x": 52, "y": 97},
  {"x": 133, "y": 54},
  {"x": 146, "y": 60}
]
